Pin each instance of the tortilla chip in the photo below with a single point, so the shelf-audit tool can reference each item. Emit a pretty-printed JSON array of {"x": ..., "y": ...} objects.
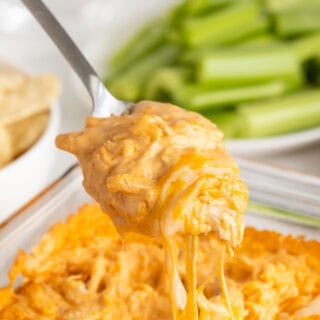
[
  {"x": 34, "y": 95},
  {"x": 24, "y": 133},
  {"x": 24, "y": 109},
  {"x": 10, "y": 78}
]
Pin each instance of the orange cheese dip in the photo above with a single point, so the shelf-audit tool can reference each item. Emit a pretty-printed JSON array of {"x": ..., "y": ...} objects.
[
  {"x": 162, "y": 171},
  {"x": 83, "y": 270}
]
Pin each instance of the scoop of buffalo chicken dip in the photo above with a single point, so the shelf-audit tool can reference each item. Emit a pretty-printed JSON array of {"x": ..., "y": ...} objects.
[{"x": 163, "y": 171}]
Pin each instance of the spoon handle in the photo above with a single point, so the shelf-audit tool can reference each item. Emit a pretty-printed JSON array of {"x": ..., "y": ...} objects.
[{"x": 104, "y": 104}]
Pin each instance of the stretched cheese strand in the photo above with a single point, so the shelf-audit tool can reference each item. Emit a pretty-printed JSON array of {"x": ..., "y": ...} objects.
[
  {"x": 224, "y": 284},
  {"x": 185, "y": 310},
  {"x": 177, "y": 290},
  {"x": 191, "y": 309},
  {"x": 184, "y": 306},
  {"x": 205, "y": 306}
]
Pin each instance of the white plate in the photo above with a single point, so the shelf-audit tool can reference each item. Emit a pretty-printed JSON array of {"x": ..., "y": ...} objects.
[{"x": 274, "y": 144}]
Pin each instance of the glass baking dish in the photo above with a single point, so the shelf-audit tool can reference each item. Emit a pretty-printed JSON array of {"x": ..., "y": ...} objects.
[{"x": 25, "y": 228}]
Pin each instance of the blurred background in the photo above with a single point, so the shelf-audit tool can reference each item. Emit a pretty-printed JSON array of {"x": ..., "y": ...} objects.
[{"x": 250, "y": 66}]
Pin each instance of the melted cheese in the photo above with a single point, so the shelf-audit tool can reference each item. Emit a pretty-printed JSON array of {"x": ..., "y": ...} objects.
[
  {"x": 191, "y": 309},
  {"x": 177, "y": 290},
  {"x": 224, "y": 284},
  {"x": 163, "y": 172}
]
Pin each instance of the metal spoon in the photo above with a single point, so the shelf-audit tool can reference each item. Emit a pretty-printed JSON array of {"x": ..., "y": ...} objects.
[{"x": 104, "y": 103}]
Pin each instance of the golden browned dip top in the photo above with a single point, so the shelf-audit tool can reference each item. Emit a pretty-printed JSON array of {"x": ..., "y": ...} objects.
[
  {"x": 163, "y": 171},
  {"x": 83, "y": 270}
]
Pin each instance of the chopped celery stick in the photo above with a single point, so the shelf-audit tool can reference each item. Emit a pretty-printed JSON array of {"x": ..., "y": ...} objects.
[
  {"x": 227, "y": 121},
  {"x": 262, "y": 41},
  {"x": 128, "y": 85},
  {"x": 228, "y": 25},
  {"x": 296, "y": 217},
  {"x": 164, "y": 81},
  {"x": 149, "y": 38},
  {"x": 192, "y": 55},
  {"x": 250, "y": 66},
  {"x": 177, "y": 14},
  {"x": 281, "y": 115},
  {"x": 197, "y": 98},
  {"x": 294, "y": 22},
  {"x": 282, "y": 5},
  {"x": 307, "y": 47},
  {"x": 203, "y": 6}
]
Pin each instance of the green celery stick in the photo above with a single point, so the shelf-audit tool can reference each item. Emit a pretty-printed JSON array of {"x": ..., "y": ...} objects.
[
  {"x": 193, "y": 55},
  {"x": 250, "y": 65},
  {"x": 176, "y": 15},
  {"x": 164, "y": 81},
  {"x": 290, "y": 216},
  {"x": 307, "y": 47},
  {"x": 146, "y": 40},
  {"x": 297, "y": 21},
  {"x": 227, "y": 121},
  {"x": 124, "y": 88},
  {"x": 283, "y": 5},
  {"x": 261, "y": 41},
  {"x": 128, "y": 85},
  {"x": 191, "y": 8},
  {"x": 281, "y": 115},
  {"x": 228, "y": 25},
  {"x": 194, "y": 7},
  {"x": 197, "y": 98}
]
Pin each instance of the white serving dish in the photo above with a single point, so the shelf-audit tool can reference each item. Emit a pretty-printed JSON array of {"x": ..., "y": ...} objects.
[
  {"x": 28, "y": 174},
  {"x": 277, "y": 144}
]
